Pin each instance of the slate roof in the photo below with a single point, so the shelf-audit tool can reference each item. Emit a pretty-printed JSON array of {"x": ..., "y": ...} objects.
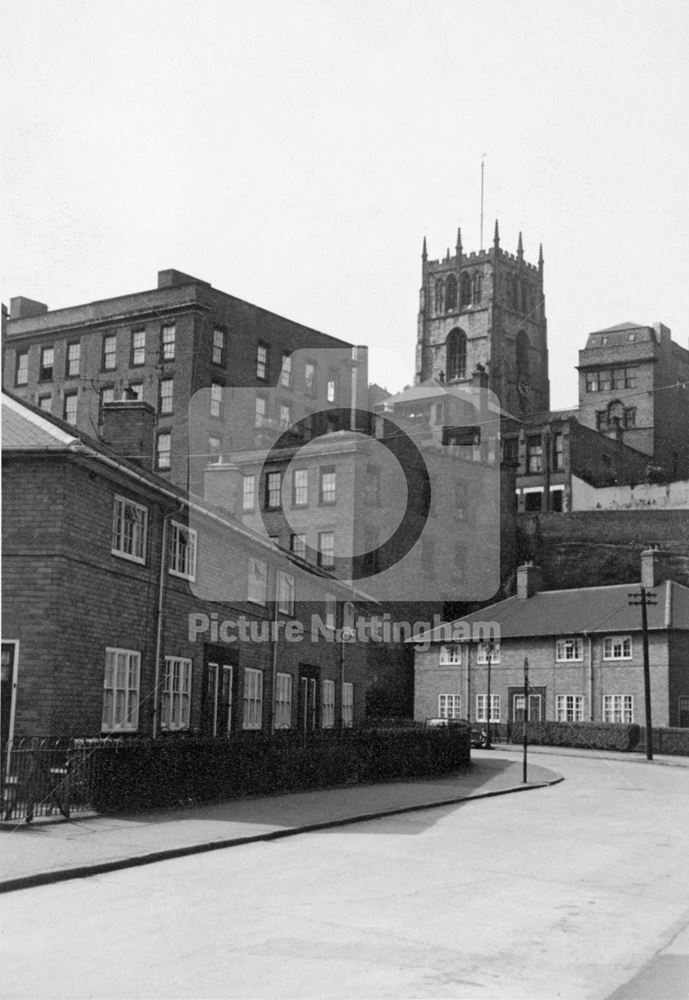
[
  {"x": 573, "y": 612},
  {"x": 27, "y": 429}
]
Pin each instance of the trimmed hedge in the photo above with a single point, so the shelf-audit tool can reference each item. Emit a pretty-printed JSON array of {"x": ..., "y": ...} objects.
[
  {"x": 168, "y": 772},
  {"x": 594, "y": 735},
  {"x": 669, "y": 741}
]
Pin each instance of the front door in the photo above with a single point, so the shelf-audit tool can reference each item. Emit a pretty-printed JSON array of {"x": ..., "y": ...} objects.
[
  {"x": 535, "y": 707},
  {"x": 218, "y": 700},
  {"x": 308, "y": 698},
  {"x": 8, "y": 688}
]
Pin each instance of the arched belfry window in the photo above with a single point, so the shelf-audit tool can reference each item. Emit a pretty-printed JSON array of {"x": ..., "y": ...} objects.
[
  {"x": 525, "y": 296},
  {"x": 465, "y": 290},
  {"x": 456, "y": 354},
  {"x": 477, "y": 287},
  {"x": 515, "y": 293},
  {"x": 451, "y": 292},
  {"x": 439, "y": 295},
  {"x": 522, "y": 358}
]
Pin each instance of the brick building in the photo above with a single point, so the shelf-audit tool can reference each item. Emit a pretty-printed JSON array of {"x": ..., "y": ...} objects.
[
  {"x": 114, "y": 621},
  {"x": 161, "y": 346},
  {"x": 584, "y": 652}
]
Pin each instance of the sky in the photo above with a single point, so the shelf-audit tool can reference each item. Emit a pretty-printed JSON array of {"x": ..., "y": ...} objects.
[{"x": 295, "y": 155}]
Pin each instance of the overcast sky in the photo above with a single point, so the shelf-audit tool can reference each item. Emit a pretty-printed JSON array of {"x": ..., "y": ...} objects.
[{"x": 295, "y": 154}]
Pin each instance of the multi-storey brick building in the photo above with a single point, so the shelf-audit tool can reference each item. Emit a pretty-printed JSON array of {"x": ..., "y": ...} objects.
[
  {"x": 162, "y": 346},
  {"x": 114, "y": 621}
]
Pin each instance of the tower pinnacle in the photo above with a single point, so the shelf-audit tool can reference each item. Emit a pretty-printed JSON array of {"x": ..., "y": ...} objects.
[
  {"x": 424, "y": 251},
  {"x": 496, "y": 235},
  {"x": 520, "y": 246},
  {"x": 459, "y": 241}
]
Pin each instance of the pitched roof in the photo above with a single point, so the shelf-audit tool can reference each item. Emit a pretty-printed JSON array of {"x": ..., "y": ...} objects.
[
  {"x": 619, "y": 327},
  {"x": 573, "y": 612},
  {"x": 25, "y": 428}
]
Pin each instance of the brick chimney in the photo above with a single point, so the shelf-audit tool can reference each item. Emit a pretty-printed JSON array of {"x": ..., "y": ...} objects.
[
  {"x": 223, "y": 487},
  {"x": 529, "y": 580},
  {"x": 656, "y": 568},
  {"x": 23, "y": 308},
  {"x": 128, "y": 428}
]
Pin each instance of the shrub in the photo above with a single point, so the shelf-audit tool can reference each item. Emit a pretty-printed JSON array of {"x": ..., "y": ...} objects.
[{"x": 594, "y": 735}]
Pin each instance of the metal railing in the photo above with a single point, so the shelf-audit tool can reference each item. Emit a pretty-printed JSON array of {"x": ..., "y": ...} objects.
[{"x": 44, "y": 777}]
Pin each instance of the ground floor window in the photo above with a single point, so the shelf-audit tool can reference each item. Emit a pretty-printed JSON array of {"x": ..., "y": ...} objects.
[
  {"x": 328, "y": 704},
  {"x": 253, "y": 698},
  {"x": 569, "y": 708},
  {"x": 283, "y": 701},
  {"x": 683, "y": 707},
  {"x": 347, "y": 706},
  {"x": 449, "y": 706},
  {"x": 121, "y": 690},
  {"x": 618, "y": 708},
  {"x": 176, "y": 705},
  {"x": 482, "y": 708}
]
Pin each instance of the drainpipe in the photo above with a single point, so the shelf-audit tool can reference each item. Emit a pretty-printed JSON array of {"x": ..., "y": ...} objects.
[
  {"x": 589, "y": 642},
  {"x": 274, "y": 668},
  {"x": 159, "y": 623}
]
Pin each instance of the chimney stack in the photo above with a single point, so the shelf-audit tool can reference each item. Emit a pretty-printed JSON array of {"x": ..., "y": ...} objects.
[
  {"x": 655, "y": 567},
  {"x": 529, "y": 580},
  {"x": 128, "y": 428},
  {"x": 223, "y": 487}
]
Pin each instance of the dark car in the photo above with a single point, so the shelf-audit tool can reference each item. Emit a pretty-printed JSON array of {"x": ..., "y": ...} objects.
[{"x": 479, "y": 737}]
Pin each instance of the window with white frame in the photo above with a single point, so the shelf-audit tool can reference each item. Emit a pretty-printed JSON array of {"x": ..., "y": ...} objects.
[
  {"x": 327, "y": 485},
  {"x": 71, "y": 405},
  {"x": 347, "y": 706},
  {"x": 300, "y": 487},
  {"x": 47, "y": 362},
  {"x": 286, "y": 370},
  {"x": 135, "y": 390},
  {"x": 129, "y": 528},
  {"x": 326, "y": 549},
  {"x": 258, "y": 581},
  {"x": 182, "y": 551},
  {"x": 569, "y": 649},
  {"x": 253, "y": 698},
  {"x": 163, "y": 448},
  {"x": 22, "y": 371},
  {"x": 618, "y": 708},
  {"x": 260, "y": 414},
  {"x": 167, "y": 342},
  {"x": 262, "y": 361},
  {"x": 273, "y": 490},
  {"x": 451, "y": 653},
  {"x": 297, "y": 545},
  {"x": 175, "y": 709},
  {"x": 45, "y": 403},
  {"x": 569, "y": 708},
  {"x": 617, "y": 647},
  {"x": 488, "y": 649},
  {"x": 138, "y": 348},
  {"x": 285, "y": 593},
  {"x": 248, "y": 492},
  {"x": 331, "y": 388},
  {"x": 109, "y": 351},
  {"x": 310, "y": 378},
  {"x": 107, "y": 395},
  {"x": 218, "y": 353},
  {"x": 328, "y": 705},
  {"x": 165, "y": 396},
  {"x": 482, "y": 708},
  {"x": 285, "y": 419},
  {"x": 283, "y": 701},
  {"x": 121, "y": 690},
  {"x": 216, "y": 399},
  {"x": 73, "y": 358},
  {"x": 449, "y": 706}
]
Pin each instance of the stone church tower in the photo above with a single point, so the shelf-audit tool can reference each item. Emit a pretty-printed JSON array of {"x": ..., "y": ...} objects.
[{"x": 485, "y": 308}]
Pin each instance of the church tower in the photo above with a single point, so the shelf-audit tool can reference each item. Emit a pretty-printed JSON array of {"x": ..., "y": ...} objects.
[{"x": 485, "y": 308}]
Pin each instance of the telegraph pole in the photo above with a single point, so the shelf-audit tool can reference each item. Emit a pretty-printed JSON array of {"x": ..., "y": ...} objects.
[
  {"x": 526, "y": 715},
  {"x": 645, "y": 599}
]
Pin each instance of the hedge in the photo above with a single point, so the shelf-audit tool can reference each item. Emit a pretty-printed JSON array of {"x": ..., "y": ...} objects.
[
  {"x": 595, "y": 735},
  {"x": 157, "y": 774}
]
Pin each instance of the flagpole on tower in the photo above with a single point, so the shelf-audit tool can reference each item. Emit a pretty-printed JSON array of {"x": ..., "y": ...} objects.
[{"x": 483, "y": 167}]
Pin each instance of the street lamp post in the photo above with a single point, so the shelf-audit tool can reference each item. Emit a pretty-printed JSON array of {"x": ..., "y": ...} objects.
[{"x": 488, "y": 744}]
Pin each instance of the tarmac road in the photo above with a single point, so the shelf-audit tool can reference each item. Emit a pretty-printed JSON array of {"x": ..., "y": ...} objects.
[{"x": 576, "y": 890}]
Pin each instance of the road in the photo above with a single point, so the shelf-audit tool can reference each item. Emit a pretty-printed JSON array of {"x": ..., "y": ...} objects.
[{"x": 578, "y": 890}]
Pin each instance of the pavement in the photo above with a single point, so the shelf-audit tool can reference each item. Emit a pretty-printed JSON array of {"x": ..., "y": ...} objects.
[{"x": 54, "y": 850}]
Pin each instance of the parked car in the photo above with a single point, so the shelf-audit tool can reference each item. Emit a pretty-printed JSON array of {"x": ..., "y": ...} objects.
[{"x": 479, "y": 737}]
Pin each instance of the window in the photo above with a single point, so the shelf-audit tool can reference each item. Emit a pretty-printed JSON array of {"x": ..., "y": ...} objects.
[
  {"x": 285, "y": 593},
  {"x": 109, "y": 352},
  {"x": 486, "y": 649},
  {"x": 176, "y": 703},
  {"x": 285, "y": 420},
  {"x": 568, "y": 649},
  {"x": 138, "y": 348},
  {"x": 107, "y": 395},
  {"x": 130, "y": 525},
  {"x": 248, "y": 492},
  {"x": 73, "y": 358},
  {"x": 331, "y": 387},
  {"x": 630, "y": 416},
  {"x": 286, "y": 370},
  {"x": 216, "y": 399},
  {"x": 22, "y": 370},
  {"x": 617, "y": 647},
  {"x": 347, "y": 706},
  {"x": 451, "y": 654},
  {"x": 69, "y": 412},
  {"x": 300, "y": 487},
  {"x": 510, "y": 451},
  {"x": 326, "y": 549},
  {"x": 464, "y": 290},
  {"x": 218, "y": 352},
  {"x": 135, "y": 390},
  {"x": 310, "y": 378},
  {"x": 330, "y": 611},
  {"x": 273, "y": 488},
  {"x": 451, "y": 292},
  {"x": 476, "y": 284},
  {"x": 569, "y": 708},
  {"x": 262, "y": 362},
  {"x": 47, "y": 362},
  {"x": 439, "y": 295},
  {"x": 253, "y": 698},
  {"x": 534, "y": 454},
  {"x": 618, "y": 708},
  {"x": 328, "y": 704},
  {"x": 456, "y": 355},
  {"x": 482, "y": 708},
  {"x": 558, "y": 450},
  {"x": 604, "y": 379},
  {"x": 182, "y": 551},
  {"x": 283, "y": 701},
  {"x": 165, "y": 387},
  {"x": 215, "y": 447},
  {"x": 163, "y": 445},
  {"x": 449, "y": 706},
  {"x": 297, "y": 544},
  {"x": 260, "y": 417},
  {"x": 327, "y": 488},
  {"x": 258, "y": 582},
  {"x": 121, "y": 691},
  {"x": 45, "y": 403},
  {"x": 167, "y": 342}
]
